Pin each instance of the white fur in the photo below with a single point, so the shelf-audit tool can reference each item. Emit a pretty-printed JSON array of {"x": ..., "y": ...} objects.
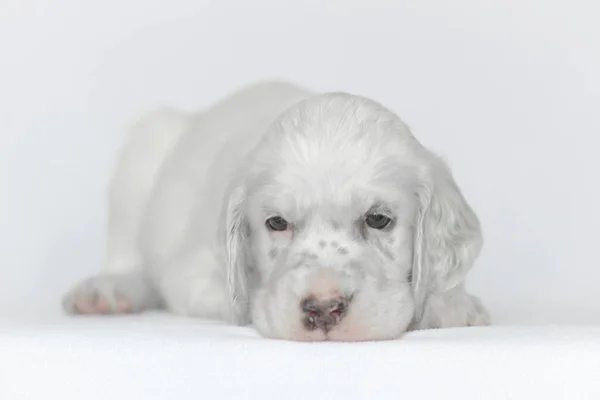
[{"x": 191, "y": 194}]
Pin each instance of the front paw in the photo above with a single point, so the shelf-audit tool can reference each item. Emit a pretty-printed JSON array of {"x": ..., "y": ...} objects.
[
  {"x": 97, "y": 295},
  {"x": 478, "y": 315}
]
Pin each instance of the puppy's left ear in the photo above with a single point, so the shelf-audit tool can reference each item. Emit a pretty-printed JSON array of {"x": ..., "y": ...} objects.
[
  {"x": 236, "y": 234},
  {"x": 448, "y": 235}
]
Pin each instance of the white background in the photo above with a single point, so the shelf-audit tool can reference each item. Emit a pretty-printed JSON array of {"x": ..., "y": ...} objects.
[{"x": 507, "y": 90}]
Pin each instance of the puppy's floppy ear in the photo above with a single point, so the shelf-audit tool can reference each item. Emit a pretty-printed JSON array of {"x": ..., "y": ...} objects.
[
  {"x": 448, "y": 235},
  {"x": 237, "y": 266}
]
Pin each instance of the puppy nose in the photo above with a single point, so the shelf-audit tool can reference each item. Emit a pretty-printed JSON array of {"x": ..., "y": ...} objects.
[{"x": 324, "y": 314}]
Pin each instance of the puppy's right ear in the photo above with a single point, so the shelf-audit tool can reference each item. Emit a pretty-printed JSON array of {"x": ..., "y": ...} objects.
[{"x": 237, "y": 265}]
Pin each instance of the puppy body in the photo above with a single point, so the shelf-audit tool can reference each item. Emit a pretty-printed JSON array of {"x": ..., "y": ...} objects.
[{"x": 189, "y": 199}]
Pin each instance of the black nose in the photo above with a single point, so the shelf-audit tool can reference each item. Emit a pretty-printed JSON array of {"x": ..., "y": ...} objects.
[{"x": 323, "y": 314}]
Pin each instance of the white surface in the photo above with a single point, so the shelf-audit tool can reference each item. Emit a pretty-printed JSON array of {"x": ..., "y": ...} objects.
[{"x": 160, "y": 357}]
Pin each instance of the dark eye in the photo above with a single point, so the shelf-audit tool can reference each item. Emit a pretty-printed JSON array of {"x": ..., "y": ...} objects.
[
  {"x": 277, "y": 224},
  {"x": 378, "y": 221}
]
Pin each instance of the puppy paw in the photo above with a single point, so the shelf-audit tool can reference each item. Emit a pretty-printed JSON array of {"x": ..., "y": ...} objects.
[
  {"x": 478, "y": 314},
  {"x": 108, "y": 294}
]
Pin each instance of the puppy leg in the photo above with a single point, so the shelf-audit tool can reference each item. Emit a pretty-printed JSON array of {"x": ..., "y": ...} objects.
[
  {"x": 148, "y": 144},
  {"x": 193, "y": 284},
  {"x": 454, "y": 308},
  {"x": 112, "y": 294},
  {"x": 123, "y": 284}
]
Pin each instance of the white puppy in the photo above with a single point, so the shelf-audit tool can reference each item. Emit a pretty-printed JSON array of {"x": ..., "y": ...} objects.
[{"x": 312, "y": 216}]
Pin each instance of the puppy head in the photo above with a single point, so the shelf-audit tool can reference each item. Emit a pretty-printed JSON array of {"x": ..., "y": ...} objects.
[{"x": 341, "y": 224}]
